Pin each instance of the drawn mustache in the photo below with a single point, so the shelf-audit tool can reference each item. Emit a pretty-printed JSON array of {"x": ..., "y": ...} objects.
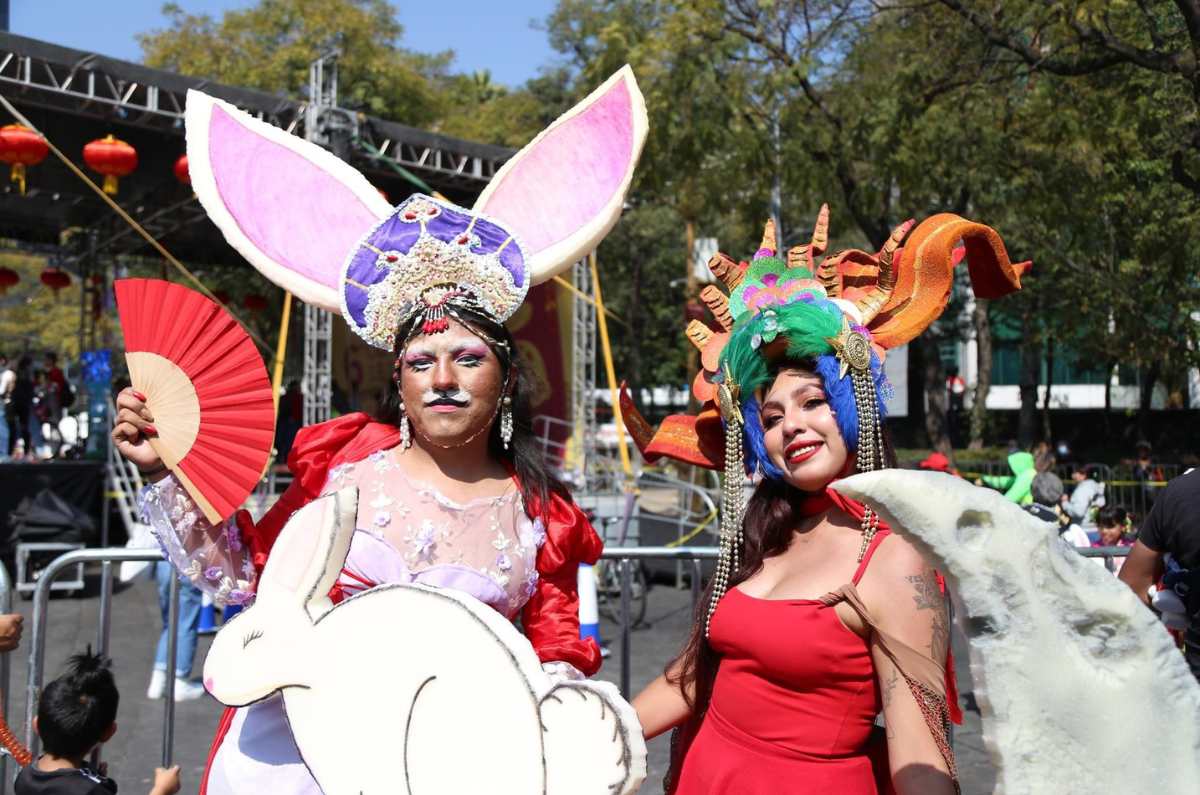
[{"x": 436, "y": 397}]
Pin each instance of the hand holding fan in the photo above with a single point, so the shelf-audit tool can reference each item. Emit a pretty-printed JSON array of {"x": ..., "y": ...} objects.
[{"x": 206, "y": 386}]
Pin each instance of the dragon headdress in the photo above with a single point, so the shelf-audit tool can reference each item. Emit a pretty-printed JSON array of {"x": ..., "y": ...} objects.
[{"x": 843, "y": 311}]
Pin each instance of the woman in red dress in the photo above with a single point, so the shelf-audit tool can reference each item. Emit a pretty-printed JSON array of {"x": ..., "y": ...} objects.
[{"x": 818, "y": 619}]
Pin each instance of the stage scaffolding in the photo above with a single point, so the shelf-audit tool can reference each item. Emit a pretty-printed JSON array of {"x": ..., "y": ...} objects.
[{"x": 583, "y": 378}]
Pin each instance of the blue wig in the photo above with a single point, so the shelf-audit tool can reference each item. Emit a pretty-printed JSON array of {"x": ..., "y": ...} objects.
[{"x": 840, "y": 394}]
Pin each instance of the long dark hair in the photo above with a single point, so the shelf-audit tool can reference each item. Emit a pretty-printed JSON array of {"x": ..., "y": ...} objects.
[
  {"x": 524, "y": 454},
  {"x": 772, "y": 514}
]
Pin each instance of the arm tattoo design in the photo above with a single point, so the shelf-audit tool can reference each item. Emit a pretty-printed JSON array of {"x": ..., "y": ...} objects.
[{"x": 929, "y": 597}]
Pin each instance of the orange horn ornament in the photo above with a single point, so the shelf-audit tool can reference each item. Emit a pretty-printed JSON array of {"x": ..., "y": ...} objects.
[{"x": 925, "y": 275}]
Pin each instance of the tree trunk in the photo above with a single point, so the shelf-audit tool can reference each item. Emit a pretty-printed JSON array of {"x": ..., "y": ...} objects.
[
  {"x": 1031, "y": 359},
  {"x": 983, "y": 372},
  {"x": 934, "y": 379},
  {"x": 1047, "y": 432},
  {"x": 1145, "y": 395},
  {"x": 1109, "y": 366}
]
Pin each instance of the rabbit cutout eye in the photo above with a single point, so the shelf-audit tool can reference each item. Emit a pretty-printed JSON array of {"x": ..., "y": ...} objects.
[
  {"x": 247, "y": 662},
  {"x": 291, "y": 208}
]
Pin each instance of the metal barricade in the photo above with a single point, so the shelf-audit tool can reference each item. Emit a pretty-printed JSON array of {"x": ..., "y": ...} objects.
[{"x": 37, "y": 643}]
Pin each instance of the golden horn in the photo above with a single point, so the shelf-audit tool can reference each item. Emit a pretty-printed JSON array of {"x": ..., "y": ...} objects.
[
  {"x": 827, "y": 275},
  {"x": 718, "y": 304},
  {"x": 870, "y": 304},
  {"x": 820, "y": 238},
  {"x": 768, "y": 238},
  {"x": 726, "y": 270},
  {"x": 799, "y": 256},
  {"x": 698, "y": 334}
]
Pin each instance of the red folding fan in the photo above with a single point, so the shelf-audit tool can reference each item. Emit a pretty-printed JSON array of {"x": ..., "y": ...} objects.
[{"x": 206, "y": 387}]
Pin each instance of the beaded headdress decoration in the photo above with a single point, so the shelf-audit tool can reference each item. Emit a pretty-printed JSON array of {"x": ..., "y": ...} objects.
[
  {"x": 315, "y": 226},
  {"x": 843, "y": 312}
]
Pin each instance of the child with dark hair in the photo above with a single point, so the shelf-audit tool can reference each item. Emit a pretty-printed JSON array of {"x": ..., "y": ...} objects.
[
  {"x": 1114, "y": 526},
  {"x": 77, "y": 712}
]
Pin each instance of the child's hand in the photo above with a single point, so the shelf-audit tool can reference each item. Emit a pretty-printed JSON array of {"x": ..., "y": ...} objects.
[{"x": 166, "y": 781}]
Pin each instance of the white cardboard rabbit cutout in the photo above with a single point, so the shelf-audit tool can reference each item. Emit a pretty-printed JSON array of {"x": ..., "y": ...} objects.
[{"x": 407, "y": 688}]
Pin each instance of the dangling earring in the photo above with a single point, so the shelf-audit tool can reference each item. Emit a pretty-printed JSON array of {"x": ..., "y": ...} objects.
[
  {"x": 506, "y": 421},
  {"x": 405, "y": 430}
]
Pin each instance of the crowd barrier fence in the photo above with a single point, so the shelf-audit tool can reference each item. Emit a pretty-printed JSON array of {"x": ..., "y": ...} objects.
[{"x": 624, "y": 558}]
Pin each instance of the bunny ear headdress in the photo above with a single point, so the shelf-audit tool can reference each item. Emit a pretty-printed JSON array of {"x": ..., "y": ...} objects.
[{"x": 313, "y": 225}]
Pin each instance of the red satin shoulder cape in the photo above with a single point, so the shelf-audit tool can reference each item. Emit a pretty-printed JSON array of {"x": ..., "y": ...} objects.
[{"x": 551, "y": 616}]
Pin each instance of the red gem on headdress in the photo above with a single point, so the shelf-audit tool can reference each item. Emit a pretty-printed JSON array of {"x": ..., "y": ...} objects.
[
  {"x": 435, "y": 326},
  {"x": 392, "y": 258},
  {"x": 410, "y": 216}
]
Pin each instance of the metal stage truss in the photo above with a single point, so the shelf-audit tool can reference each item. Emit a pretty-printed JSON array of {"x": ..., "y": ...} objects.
[{"x": 74, "y": 95}]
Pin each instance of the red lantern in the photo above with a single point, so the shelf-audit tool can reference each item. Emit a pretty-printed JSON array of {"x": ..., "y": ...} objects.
[
  {"x": 8, "y": 278},
  {"x": 254, "y": 303},
  {"x": 56, "y": 279},
  {"x": 112, "y": 158},
  {"x": 181, "y": 170},
  {"x": 21, "y": 147}
]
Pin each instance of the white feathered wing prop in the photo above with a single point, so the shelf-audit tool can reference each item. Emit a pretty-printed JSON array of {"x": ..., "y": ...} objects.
[
  {"x": 1081, "y": 689},
  {"x": 406, "y": 688}
]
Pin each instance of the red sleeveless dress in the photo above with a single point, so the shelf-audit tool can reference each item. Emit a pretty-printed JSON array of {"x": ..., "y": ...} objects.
[{"x": 793, "y": 704}]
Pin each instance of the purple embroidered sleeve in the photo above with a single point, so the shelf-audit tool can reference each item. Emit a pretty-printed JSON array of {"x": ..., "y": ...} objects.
[{"x": 212, "y": 557}]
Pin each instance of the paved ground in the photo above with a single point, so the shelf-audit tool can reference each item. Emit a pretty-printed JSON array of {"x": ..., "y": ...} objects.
[{"x": 137, "y": 747}]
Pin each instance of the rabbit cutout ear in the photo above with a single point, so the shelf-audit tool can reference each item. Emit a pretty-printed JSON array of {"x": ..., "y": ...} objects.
[
  {"x": 291, "y": 208},
  {"x": 309, "y": 554},
  {"x": 564, "y": 191}
]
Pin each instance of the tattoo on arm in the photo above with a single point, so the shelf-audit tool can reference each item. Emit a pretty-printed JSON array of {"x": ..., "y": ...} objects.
[
  {"x": 886, "y": 693},
  {"x": 928, "y": 596}
]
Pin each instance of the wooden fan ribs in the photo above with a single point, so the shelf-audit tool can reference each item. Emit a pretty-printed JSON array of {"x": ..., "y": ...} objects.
[{"x": 207, "y": 387}]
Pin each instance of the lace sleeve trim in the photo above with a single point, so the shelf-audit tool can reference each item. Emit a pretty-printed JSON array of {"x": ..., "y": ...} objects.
[{"x": 212, "y": 558}]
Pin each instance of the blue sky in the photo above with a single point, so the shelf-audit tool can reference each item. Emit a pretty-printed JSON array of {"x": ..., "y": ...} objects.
[{"x": 485, "y": 34}]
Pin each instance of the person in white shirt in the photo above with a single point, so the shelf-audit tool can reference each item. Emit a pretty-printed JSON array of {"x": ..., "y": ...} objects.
[{"x": 8, "y": 435}]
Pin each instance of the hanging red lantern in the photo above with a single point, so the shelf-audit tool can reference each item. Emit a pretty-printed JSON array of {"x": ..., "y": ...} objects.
[
  {"x": 21, "y": 147},
  {"x": 8, "y": 278},
  {"x": 112, "y": 158},
  {"x": 56, "y": 279},
  {"x": 181, "y": 170},
  {"x": 254, "y": 303}
]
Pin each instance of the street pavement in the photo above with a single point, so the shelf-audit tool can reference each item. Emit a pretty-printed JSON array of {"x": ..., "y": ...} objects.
[{"x": 137, "y": 747}]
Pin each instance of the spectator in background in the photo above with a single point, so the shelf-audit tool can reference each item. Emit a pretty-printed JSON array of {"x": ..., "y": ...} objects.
[
  {"x": 56, "y": 397},
  {"x": 1114, "y": 526},
  {"x": 1015, "y": 486},
  {"x": 11, "y": 625},
  {"x": 8, "y": 379},
  {"x": 21, "y": 403},
  {"x": 186, "y": 636},
  {"x": 937, "y": 462},
  {"x": 38, "y": 416},
  {"x": 1044, "y": 459},
  {"x": 76, "y": 712},
  {"x": 1145, "y": 471},
  {"x": 289, "y": 421},
  {"x": 1047, "y": 492},
  {"x": 1087, "y": 495},
  {"x": 1171, "y": 530}
]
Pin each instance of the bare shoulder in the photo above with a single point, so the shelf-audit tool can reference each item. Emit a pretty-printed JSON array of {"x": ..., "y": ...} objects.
[{"x": 896, "y": 558}]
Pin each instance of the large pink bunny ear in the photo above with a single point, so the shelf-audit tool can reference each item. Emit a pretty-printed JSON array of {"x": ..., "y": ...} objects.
[
  {"x": 292, "y": 209},
  {"x": 564, "y": 191}
]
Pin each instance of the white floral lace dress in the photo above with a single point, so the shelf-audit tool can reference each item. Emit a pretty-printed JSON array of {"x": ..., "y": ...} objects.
[{"x": 407, "y": 532}]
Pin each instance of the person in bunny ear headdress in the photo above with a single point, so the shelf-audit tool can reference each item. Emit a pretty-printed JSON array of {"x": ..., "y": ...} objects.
[{"x": 453, "y": 489}]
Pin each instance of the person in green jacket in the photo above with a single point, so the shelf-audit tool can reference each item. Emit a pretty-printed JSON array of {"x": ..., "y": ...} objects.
[{"x": 1015, "y": 486}]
